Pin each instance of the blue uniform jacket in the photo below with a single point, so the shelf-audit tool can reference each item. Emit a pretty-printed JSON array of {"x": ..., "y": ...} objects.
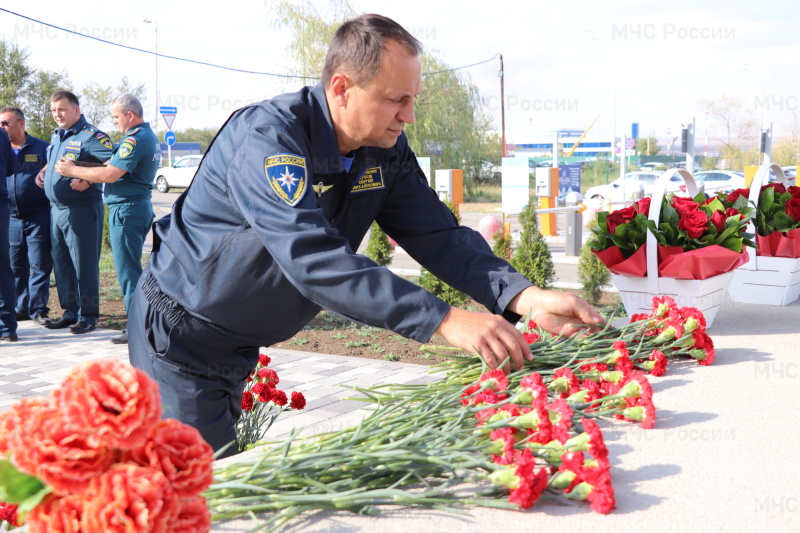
[
  {"x": 81, "y": 142},
  {"x": 6, "y": 163},
  {"x": 266, "y": 233},
  {"x": 24, "y": 196}
]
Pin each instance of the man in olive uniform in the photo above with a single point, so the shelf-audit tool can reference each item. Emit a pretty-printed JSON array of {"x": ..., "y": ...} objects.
[
  {"x": 29, "y": 231},
  {"x": 8, "y": 317},
  {"x": 77, "y": 214},
  {"x": 128, "y": 179}
]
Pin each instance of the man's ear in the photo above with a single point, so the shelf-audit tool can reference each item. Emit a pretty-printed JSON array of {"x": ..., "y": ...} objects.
[{"x": 340, "y": 83}]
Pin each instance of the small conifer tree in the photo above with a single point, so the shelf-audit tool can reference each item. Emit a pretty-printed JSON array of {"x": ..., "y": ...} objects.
[
  {"x": 502, "y": 244},
  {"x": 378, "y": 247},
  {"x": 439, "y": 288},
  {"x": 532, "y": 257},
  {"x": 592, "y": 273}
]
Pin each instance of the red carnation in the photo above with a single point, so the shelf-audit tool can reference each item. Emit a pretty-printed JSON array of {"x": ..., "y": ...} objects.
[
  {"x": 533, "y": 384},
  {"x": 247, "y": 401},
  {"x": 530, "y": 337},
  {"x": 180, "y": 453},
  {"x": 119, "y": 402},
  {"x": 264, "y": 359},
  {"x": 269, "y": 375},
  {"x": 659, "y": 363},
  {"x": 793, "y": 208},
  {"x": 20, "y": 411},
  {"x": 495, "y": 380},
  {"x": 298, "y": 400},
  {"x": 57, "y": 514},
  {"x": 130, "y": 498},
  {"x": 8, "y": 513},
  {"x": 193, "y": 516},
  {"x": 693, "y": 222},
  {"x": 279, "y": 397},
  {"x": 597, "y": 444},
  {"x": 503, "y": 445}
]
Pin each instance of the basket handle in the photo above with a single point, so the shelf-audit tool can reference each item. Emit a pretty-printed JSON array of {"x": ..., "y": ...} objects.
[
  {"x": 761, "y": 178},
  {"x": 655, "y": 215}
]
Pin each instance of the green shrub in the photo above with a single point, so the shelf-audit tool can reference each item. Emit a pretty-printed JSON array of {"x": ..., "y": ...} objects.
[
  {"x": 378, "y": 247},
  {"x": 502, "y": 244},
  {"x": 437, "y": 287},
  {"x": 532, "y": 257},
  {"x": 592, "y": 273}
]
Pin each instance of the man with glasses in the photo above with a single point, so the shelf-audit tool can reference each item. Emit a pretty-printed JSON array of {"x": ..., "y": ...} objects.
[{"x": 29, "y": 228}]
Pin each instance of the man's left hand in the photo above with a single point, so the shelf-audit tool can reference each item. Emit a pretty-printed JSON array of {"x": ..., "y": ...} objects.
[
  {"x": 66, "y": 167},
  {"x": 556, "y": 312}
]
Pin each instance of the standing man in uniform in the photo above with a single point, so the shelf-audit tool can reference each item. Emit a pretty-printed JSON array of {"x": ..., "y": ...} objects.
[
  {"x": 76, "y": 213},
  {"x": 8, "y": 316},
  {"x": 29, "y": 232},
  {"x": 128, "y": 179},
  {"x": 266, "y": 236}
]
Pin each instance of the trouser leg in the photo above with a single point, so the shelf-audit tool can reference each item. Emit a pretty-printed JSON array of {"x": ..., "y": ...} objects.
[
  {"x": 8, "y": 315},
  {"x": 18, "y": 256},
  {"x": 40, "y": 261},
  {"x": 128, "y": 225},
  {"x": 84, "y": 240},
  {"x": 66, "y": 278}
]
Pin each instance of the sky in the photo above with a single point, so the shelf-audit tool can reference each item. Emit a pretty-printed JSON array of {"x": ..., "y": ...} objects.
[{"x": 566, "y": 63}]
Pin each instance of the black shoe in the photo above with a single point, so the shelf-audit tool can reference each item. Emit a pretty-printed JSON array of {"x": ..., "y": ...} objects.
[
  {"x": 42, "y": 319},
  {"x": 22, "y": 316},
  {"x": 82, "y": 327},
  {"x": 61, "y": 323},
  {"x": 122, "y": 339},
  {"x": 9, "y": 338}
]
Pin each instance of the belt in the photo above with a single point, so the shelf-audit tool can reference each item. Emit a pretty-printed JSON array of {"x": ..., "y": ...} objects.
[{"x": 172, "y": 310}]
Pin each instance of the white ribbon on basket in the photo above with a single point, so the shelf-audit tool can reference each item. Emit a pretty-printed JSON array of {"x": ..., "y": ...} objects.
[
  {"x": 655, "y": 215},
  {"x": 761, "y": 178}
]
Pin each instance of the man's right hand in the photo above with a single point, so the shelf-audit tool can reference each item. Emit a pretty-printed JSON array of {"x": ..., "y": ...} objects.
[
  {"x": 492, "y": 336},
  {"x": 40, "y": 179}
]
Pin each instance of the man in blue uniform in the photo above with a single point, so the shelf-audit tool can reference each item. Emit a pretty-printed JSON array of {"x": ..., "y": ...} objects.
[
  {"x": 76, "y": 213},
  {"x": 29, "y": 231},
  {"x": 265, "y": 237},
  {"x": 128, "y": 179},
  {"x": 8, "y": 316}
]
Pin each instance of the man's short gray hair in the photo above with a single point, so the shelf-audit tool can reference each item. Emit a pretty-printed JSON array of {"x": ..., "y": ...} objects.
[{"x": 128, "y": 102}]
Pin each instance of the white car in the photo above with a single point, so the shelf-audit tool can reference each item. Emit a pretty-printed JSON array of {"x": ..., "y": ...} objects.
[
  {"x": 628, "y": 188},
  {"x": 178, "y": 175},
  {"x": 714, "y": 181}
]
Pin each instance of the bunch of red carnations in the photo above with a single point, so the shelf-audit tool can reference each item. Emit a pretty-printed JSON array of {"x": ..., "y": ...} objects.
[
  {"x": 95, "y": 456},
  {"x": 262, "y": 402}
]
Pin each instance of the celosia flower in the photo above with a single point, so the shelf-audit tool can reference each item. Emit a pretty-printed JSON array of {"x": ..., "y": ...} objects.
[
  {"x": 247, "y": 401},
  {"x": 118, "y": 402},
  {"x": 57, "y": 514},
  {"x": 298, "y": 400},
  {"x": 61, "y": 454},
  {"x": 180, "y": 453},
  {"x": 193, "y": 516},
  {"x": 130, "y": 498}
]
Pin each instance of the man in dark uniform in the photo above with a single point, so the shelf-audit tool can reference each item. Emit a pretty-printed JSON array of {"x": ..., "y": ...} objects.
[
  {"x": 128, "y": 179},
  {"x": 8, "y": 316},
  {"x": 265, "y": 237},
  {"x": 77, "y": 214},
  {"x": 29, "y": 231}
]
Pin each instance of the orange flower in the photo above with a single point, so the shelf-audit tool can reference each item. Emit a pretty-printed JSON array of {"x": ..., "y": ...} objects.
[
  {"x": 119, "y": 402},
  {"x": 56, "y": 514},
  {"x": 58, "y": 453},
  {"x": 130, "y": 499},
  {"x": 193, "y": 516},
  {"x": 180, "y": 453},
  {"x": 11, "y": 419}
]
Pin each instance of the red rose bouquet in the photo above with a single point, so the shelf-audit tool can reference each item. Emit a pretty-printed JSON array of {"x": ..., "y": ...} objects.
[
  {"x": 697, "y": 237},
  {"x": 96, "y": 456},
  {"x": 778, "y": 221}
]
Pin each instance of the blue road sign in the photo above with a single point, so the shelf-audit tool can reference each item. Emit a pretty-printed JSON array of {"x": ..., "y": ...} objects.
[
  {"x": 168, "y": 110},
  {"x": 170, "y": 138}
]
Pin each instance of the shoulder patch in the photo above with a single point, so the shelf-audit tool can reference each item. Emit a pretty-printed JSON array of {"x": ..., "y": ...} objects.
[
  {"x": 372, "y": 178},
  {"x": 288, "y": 176},
  {"x": 126, "y": 148},
  {"x": 104, "y": 140}
]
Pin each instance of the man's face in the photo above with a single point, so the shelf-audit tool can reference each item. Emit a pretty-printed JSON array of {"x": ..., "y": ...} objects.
[
  {"x": 15, "y": 127},
  {"x": 122, "y": 120},
  {"x": 65, "y": 113},
  {"x": 376, "y": 114}
]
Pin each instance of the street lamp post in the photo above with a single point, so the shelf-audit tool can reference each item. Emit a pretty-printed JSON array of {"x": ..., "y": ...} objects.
[{"x": 155, "y": 111}]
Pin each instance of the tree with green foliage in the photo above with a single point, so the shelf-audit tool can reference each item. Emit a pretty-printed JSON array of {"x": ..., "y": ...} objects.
[
  {"x": 204, "y": 136},
  {"x": 378, "y": 247},
  {"x": 592, "y": 273},
  {"x": 648, "y": 145},
  {"x": 96, "y": 104},
  {"x": 532, "y": 257},
  {"x": 502, "y": 244}
]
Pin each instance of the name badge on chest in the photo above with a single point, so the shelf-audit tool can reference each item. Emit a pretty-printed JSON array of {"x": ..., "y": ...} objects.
[{"x": 371, "y": 179}]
